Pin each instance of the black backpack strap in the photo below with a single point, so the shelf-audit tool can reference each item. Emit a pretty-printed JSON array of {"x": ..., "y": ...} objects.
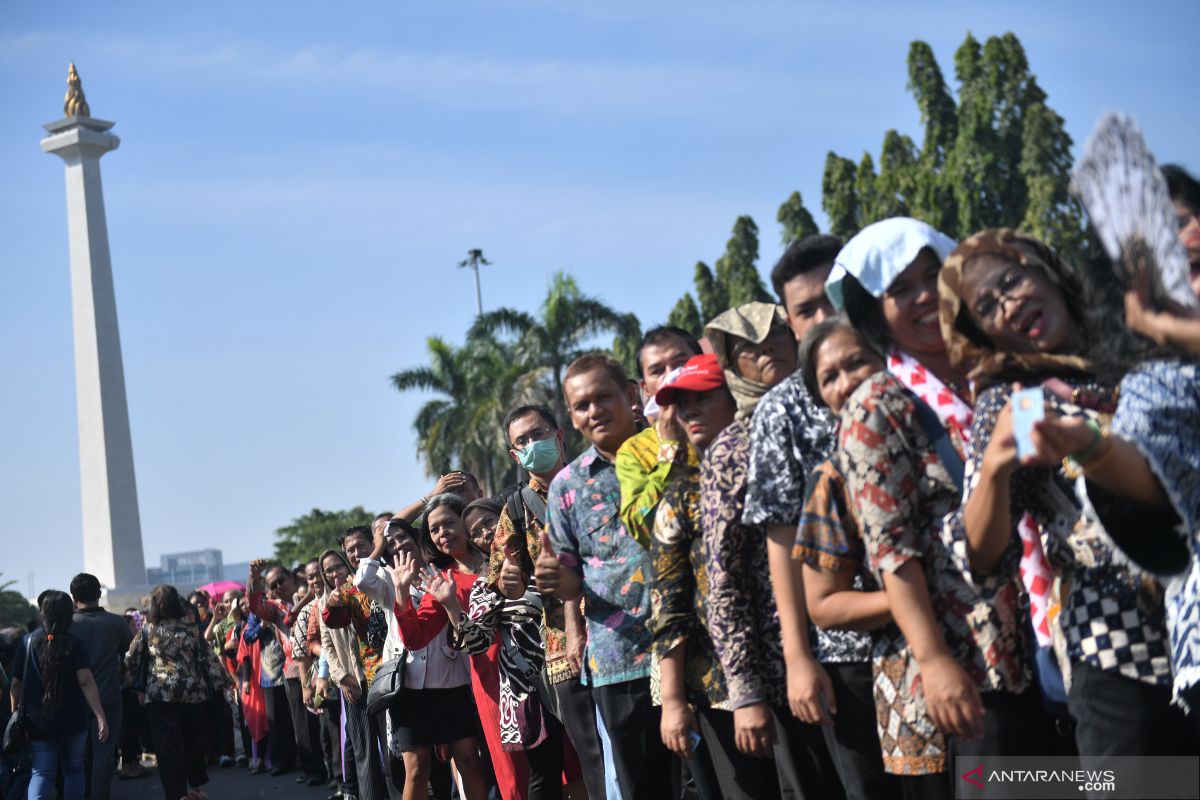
[
  {"x": 939, "y": 437},
  {"x": 534, "y": 502}
]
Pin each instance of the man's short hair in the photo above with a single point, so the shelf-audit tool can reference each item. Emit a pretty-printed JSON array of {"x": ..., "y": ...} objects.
[
  {"x": 804, "y": 255},
  {"x": 354, "y": 530},
  {"x": 520, "y": 411},
  {"x": 592, "y": 361},
  {"x": 656, "y": 337},
  {"x": 383, "y": 515},
  {"x": 85, "y": 588}
]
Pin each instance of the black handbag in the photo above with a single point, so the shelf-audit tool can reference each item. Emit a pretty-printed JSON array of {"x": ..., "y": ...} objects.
[
  {"x": 388, "y": 687},
  {"x": 16, "y": 732}
]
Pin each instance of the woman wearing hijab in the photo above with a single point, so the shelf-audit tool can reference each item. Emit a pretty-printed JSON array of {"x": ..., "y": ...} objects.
[
  {"x": 756, "y": 350},
  {"x": 904, "y": 436},
  {"x": 840, "y": 592},
  {"x": 1014, "y": 312},
  {"x": 1146, "y": 465}
]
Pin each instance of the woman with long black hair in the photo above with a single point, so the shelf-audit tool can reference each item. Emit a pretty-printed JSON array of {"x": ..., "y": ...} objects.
[{"x": 52, "y": 680}]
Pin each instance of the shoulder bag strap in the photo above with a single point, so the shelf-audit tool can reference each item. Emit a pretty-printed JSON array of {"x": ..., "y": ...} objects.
[
  {"x": 939, "y": 437},
  {"x": 535, "y": 504}
]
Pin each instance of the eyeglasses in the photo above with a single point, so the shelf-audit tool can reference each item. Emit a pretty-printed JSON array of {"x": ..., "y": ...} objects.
[
  {"x": 521, "y": 442},
  {"x": 276, "y": 584}
]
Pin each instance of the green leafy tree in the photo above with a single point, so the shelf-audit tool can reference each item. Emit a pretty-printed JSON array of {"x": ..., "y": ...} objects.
[
  {"x": 838, "y": 196},
  {"x": 15, "y": 610},
  {"x": 625, "y": 344},
  {"x": 737, "y": 268},
  {"x": 999, "y": 156},
  {"x": 542, "y": 347},
  {"x": 307, "y": 536},
  {"x": 795, "y": 220},
  {"x": 735, "y": 279},
  {"x": 686, "y": 315},
  {"x": 713, "y": 295}
]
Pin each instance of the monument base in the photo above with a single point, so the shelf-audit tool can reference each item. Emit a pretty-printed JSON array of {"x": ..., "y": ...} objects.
[{"x": 119, "y": 598}]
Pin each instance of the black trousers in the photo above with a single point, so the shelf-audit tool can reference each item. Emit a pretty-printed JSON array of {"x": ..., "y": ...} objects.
[
  {"x": 177, "y": 729},
  {"x": 853, "y": 740},
  {"x": 282, "y": 735},
  {"x": 737, "y": 775},
  {"x": 546, "y": 763},
  {"x": 643, "y": 763},
  {"x": 362, "y": 735},
  {"x": 307, "y": 729},
  {"x": 572, "y": 704},
  {"x": 1015, "y": 724},
  {"x": 1119, "y": 716},
  {"x": 220, "y": 720},
  {"x": 802, "y": 760},
  {"x": 133, "y": 722}
]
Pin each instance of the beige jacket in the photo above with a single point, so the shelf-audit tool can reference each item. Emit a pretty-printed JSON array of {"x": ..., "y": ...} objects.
[{"x": 340, "y": 648}]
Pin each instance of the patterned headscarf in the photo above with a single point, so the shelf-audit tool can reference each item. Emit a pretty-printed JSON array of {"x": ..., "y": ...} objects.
[
  {"x": 752, "y": 322},
  {"x": 968, "y": 346}
]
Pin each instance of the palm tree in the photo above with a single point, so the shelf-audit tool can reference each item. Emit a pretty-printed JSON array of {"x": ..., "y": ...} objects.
[
  {"x": 461, "y": 428},
  {"x": 546, "y": 346}
]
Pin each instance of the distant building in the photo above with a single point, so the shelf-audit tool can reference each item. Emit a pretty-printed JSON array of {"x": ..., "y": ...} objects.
[
  {"x": 186, "y": 571},
  {"x": 236, "y": 572}
]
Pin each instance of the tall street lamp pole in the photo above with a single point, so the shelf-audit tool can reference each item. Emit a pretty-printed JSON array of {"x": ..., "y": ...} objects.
[{"x": 475, "y": 260}]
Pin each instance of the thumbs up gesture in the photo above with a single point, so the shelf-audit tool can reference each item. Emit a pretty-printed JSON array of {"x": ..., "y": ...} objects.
[{"x": 547, "y": 572}]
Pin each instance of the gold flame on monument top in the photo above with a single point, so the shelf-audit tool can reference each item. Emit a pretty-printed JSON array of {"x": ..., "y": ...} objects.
[{"x": 75, "y": 104}]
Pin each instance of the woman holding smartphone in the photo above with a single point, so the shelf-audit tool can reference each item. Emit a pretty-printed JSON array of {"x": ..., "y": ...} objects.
[{"x": 1013, "y": 313}]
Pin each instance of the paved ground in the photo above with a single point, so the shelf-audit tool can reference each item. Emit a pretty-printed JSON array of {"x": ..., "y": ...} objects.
[{"x": 234, "y": 783}]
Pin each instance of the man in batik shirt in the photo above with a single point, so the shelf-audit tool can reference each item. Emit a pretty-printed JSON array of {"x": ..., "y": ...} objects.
[
  {"x": 588, "y": 552},
  {"x": 536, "y": 443}
]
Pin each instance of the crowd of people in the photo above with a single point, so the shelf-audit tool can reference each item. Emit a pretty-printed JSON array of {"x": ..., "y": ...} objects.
[{"x": 811, "y": 555}]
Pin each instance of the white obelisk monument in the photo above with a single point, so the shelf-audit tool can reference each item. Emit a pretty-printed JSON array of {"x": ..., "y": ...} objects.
[{"x": 112, "y": 532}]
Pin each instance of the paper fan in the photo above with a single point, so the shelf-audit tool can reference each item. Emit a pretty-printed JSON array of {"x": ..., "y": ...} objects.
[{"x": 1125, "y": 195}]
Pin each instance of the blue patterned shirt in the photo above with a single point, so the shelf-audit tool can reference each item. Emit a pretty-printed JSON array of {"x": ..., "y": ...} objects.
[
  {"x": 584, "y": 525},
  {"x": 1159, "y": 412}
]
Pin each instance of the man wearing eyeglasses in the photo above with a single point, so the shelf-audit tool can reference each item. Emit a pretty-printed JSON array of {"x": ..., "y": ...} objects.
[
  {"x": 271, "y": 601},
  {"x": 536, "y": 443}
]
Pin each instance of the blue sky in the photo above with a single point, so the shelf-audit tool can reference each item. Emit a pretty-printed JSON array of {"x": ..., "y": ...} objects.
[{"x": 296, "y": 182}]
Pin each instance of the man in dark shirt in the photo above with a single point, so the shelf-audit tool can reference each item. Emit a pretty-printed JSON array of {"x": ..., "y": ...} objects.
[{"x": 107, "y": 638}]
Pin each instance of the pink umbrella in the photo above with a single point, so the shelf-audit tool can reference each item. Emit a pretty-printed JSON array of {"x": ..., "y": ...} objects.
[{"x": 218, "y": 588}]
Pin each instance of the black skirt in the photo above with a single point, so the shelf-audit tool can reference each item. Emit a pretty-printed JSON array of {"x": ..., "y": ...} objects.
[{"x": 427, "y": 717}]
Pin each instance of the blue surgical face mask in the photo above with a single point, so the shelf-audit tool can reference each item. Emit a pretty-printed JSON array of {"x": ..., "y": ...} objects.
[{"x": 539, "y": 456}]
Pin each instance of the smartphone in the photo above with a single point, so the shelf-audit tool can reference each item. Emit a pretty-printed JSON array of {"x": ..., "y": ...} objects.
[
  {"x": 1028, "y": 407},
  {"x": 693, "y": 740}
]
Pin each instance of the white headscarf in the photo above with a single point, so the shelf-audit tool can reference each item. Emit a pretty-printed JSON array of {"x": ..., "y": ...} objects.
[{"x": 880, "y": 252}]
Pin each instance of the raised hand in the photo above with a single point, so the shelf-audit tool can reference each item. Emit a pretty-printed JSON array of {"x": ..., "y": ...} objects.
[
  {"x": 450, "y": 482},
  {"x": 440, "y": 587},
  {"x": 547, "y": 570},
  {"x": 256, "y": 568},
  {"x": 404, "y": 573},
  {"x": 512, "y": 580}
]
